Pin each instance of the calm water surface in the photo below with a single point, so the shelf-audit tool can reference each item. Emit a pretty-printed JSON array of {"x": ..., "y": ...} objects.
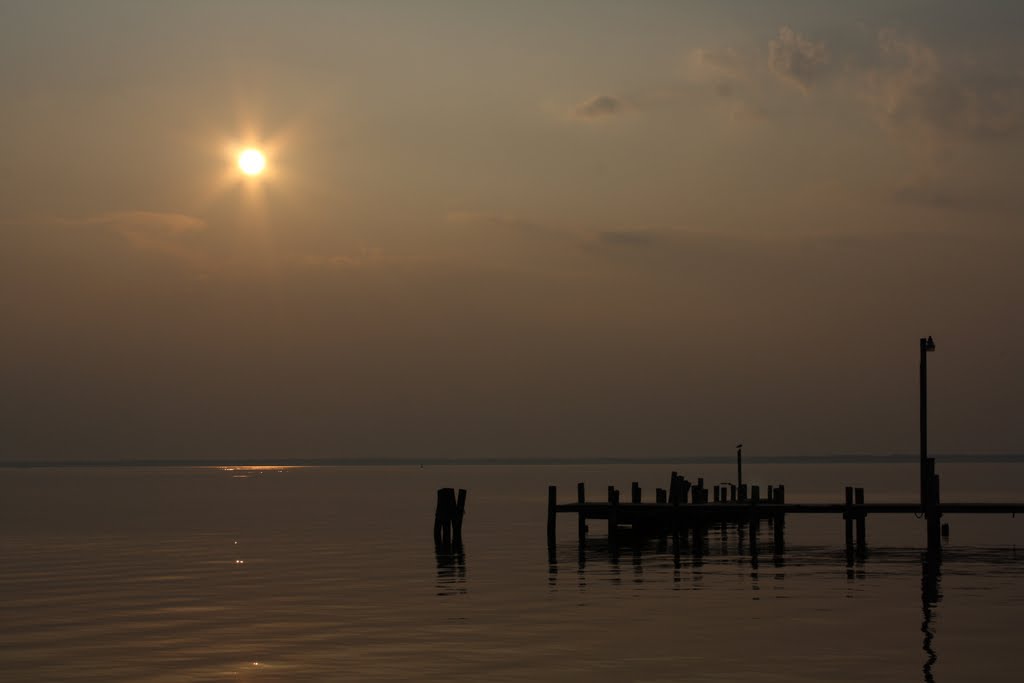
[{"x": 331, "y": 574}]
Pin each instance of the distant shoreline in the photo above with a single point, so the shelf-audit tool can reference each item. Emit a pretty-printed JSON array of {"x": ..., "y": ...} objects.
[{"x": 846, "y": 459}]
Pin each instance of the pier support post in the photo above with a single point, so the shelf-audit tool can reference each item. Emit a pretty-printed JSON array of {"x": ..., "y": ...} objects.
[
  {"x": 581, "y": 524},
  {"x": 552, "y": 503},
  {"x": 613, "y": 513},
  {"x": 858, "y": 498},
  {"x": 460, "y": 512},
  {"x": 755, "y": 522},
  {"x": 636, "y": 494},
  {"x": 932, "y": 512},
  {"x": 448, "y": 516},
  {"x": 848, "y": 517}
]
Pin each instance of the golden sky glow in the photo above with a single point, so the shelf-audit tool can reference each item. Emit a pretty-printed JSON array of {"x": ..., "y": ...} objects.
[{"x": 504, "y": 228}]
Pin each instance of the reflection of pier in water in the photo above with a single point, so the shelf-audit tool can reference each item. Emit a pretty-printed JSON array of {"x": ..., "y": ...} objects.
[{"x": 632, "y": 560}]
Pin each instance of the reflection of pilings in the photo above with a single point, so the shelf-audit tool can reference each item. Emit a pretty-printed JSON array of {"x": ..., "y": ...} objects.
[
  {"x": 451, "y": 568},
  {"x": 931, "y": 572}
]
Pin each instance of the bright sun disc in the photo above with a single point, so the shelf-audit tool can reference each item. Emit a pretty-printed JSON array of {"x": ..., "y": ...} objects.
[{"x": 252, "y": 162}]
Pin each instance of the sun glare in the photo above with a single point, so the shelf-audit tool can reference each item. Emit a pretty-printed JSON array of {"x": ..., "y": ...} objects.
[{"x": 252, "y": 162}]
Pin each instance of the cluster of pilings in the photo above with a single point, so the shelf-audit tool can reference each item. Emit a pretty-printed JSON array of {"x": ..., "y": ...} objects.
[
  {"x": 448, "y": 519},
  {"x": 683, "y": 508}
]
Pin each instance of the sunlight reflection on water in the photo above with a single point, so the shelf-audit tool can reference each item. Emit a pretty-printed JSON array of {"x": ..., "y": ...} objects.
[{"x": 331, "y": 573}]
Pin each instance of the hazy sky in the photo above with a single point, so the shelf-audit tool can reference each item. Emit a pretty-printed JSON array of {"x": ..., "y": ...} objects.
[{"x": 575, "y": 229}]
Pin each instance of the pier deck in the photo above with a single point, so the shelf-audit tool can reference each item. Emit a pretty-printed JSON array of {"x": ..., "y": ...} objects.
[
  {"x": 685, "y": 508},
  {"x": 600, "y": 510}
]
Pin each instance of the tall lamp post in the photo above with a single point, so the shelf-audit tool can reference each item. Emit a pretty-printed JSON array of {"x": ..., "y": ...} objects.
[{"x": 927, "y": 346}]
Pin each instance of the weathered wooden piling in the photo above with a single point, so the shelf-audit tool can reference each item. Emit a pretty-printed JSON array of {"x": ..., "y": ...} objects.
[
  {"x": 858, "y": 498},
  {"x": 848, "y": 516},
  {"x": 778, "y": 526},
  {"x": 780, "y": 517},
  {"x": 552, "y": 511},
  {"x": 448, "y": 516},
  {"x": 581, "y": 528},
  {"x": 613, "y": 506},
  {"x": 755, "y": 521},
  {"x": 660, "y": 496},
  {"x": 932, "y": 512},
  {"x": 460, "y": 514},
  {"x": 636, "y": 494}
]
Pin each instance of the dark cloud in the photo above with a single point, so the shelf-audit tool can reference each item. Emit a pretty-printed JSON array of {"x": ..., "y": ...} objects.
[
  {"x": 795, "y": 59},
  {"x": 602, "y": 106}
]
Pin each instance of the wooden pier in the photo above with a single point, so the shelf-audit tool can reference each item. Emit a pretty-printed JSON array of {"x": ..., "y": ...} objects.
[{"x": 685, "y": 508}]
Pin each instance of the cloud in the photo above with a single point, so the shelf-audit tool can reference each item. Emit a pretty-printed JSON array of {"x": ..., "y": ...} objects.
[
  {"x": 796, "y": 59},
  {"x": 717, "y": 65},
  {"x": 167, "y": 233},
  {"x": 134, "y": 221},
  {"x": 599, "y": 107},
  {"x": 972, "y": 195},
  {"x": 913, "y": 87},
  {"x": 503, "y": 221}
]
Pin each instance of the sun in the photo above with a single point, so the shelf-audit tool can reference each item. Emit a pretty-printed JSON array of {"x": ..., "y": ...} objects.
[{"x": 251, "y": 161}]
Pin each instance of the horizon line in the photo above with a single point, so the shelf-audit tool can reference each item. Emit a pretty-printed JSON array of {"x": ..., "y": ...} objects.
[{"x": 842, "y": 458}]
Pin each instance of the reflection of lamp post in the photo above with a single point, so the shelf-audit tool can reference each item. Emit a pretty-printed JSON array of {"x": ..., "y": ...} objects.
[{"x": 926, "y": 346}]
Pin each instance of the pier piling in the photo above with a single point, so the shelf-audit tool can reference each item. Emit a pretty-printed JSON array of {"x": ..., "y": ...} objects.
[
  {"x": 858, "y": 498},
  {"x": 448, "y": 517},
  {"x": 552, "y": 509},
  {"x": 581, "y": 529},
  {"x": 848, "y": 517}
]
